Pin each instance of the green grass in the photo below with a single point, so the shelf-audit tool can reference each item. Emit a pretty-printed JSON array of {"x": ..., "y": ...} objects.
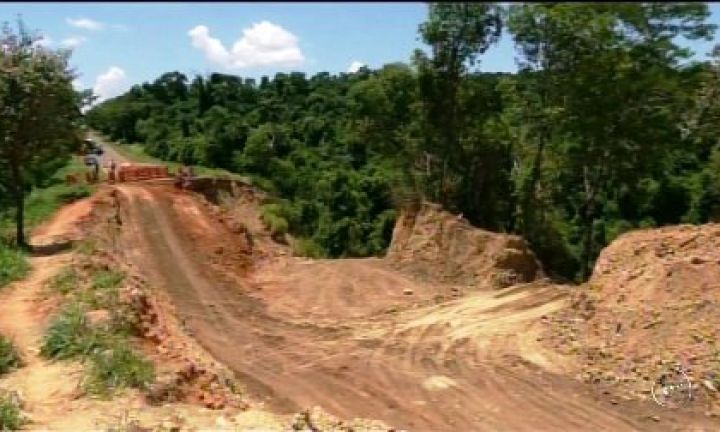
[
  {"x": 9, "y": 358},
  {"x": 273, "y": 220},
  {"x": 306, "y": 247},
  {"x": 86, "y": 247},
  {"x": 13, "y": 265},
  {"x": 66, "y": 281},
  {"x": 111, "y": 364},
  {"x": 43, "y": 202},
  {"x": 104, "y": 291},
  {"x": 71, "y": 335},
  {"x": 118, "y": 367},
  {"x": 107, "y": 279},
  {"x": 11, "y": 418}
]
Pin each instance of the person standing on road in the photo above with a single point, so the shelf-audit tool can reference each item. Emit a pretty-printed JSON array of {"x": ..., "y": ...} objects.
[{"x": 111, "y": 174}]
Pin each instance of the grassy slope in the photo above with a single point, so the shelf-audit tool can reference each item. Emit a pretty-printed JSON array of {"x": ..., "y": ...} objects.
[{"x": 40, "y": 205}]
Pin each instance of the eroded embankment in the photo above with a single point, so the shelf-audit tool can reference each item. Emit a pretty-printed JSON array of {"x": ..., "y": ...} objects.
[{"x": 471, "y": 363}]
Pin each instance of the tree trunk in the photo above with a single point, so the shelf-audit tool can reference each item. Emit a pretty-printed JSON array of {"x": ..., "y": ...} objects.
[
  {"x": 588, "y": 223},
  {"x": 19, "y": 195},
  {"x": 20, "y": 217},
  {"x": 588, "y": 219},
  {"x": 528, "y": 194}
]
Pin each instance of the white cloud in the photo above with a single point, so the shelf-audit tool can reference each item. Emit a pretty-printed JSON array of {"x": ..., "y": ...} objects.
[
  {"x": 85, "y": 23},
  {"x": 45, "y": 41},
  {"x": 355, "y": 66},
  {"x": 78, "y": 85},
  {"x": 263, "y": 44},
  {"x": 110, "y": 83},
  {"x": 73, "y": 41}
]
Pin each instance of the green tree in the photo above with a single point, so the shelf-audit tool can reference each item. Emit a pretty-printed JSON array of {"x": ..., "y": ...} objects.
[
  {"x": 458, "y": 33},
  {"x": 609, "y": 71},
  {"x": 40, "y": 113}
]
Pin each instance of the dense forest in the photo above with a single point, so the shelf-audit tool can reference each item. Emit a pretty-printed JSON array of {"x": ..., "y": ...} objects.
[{"x": 606, "y": 127}]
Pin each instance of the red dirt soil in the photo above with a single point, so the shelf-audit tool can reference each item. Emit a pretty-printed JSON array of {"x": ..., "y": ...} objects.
[
  {"x": 653, "y": 301},
  {"x": 440, "y": 246},
  {"x": 342, "y": 335}
]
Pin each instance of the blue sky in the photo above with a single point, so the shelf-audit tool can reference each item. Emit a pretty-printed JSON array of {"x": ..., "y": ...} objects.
[{"x": 119, "y": 44}]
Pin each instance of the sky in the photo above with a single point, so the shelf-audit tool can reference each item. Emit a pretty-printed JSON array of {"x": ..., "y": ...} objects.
[{"x": 117, "y": 45}]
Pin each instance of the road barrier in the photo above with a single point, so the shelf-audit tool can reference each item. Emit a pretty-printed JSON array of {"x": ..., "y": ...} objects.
[{"x": 131, "y": 172}]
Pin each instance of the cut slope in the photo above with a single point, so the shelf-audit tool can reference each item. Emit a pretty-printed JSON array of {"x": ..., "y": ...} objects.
[
  {"x": 469, "y": 364},
  {"x": 653, "y": 301},
  {"x": 435, "y": 244}
]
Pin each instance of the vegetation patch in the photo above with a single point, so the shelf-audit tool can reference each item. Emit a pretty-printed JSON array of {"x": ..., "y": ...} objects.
[
  {"x": 71, "y": 335},
  {"x": 86, "y": 247},
  {"x": 48, "y": 197},
  {"x": 105, "y": 289},
  {"x": 118, "y": 367},
  {"x": 274, "y": 221},
  {"x": 9, "y": 357},
  {"x": 13, "y": 265},
  {"x": 305, "y": 247},
  {"x": 11, "y": 417},
  {"x": 76, "y": 333},
  {"x": 66, "y": 281}
]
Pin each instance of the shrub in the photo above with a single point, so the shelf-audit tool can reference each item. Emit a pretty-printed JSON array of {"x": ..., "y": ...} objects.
[
  {"x": 104, "y": 289},
  {"x": 9, "y": 358},
  {"x": 65, "y": 281},
  {"x": 274, "y": 221},
  {"x": 107, "y": 279},
  {"x": 70, "y": 335},
  {"x": 13, "y": 265},
  {"x": 10, "y": 417},
  {"x": 118, "y": 367},
  {"x": 74, "y": 193},
  {"x": 306, "y": 247},
  {"x": 86, "y": 247}
]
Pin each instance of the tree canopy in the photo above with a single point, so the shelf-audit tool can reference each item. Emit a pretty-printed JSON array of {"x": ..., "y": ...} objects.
[
  {"x": 40, "y": 110},
  {"x": 606, "y": 127}
]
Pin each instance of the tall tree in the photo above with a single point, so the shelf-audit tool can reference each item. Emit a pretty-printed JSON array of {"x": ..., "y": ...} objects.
[
  {"x": 39, "y": 117},
  {"x": 610, "y": 73},
  {"x": 458, "y": 34}
]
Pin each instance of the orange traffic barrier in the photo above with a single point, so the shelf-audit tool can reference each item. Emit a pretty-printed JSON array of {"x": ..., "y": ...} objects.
[{"x": 127, "y": 173}]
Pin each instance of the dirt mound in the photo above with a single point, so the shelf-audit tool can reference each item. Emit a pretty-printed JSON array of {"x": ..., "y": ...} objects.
[
  {"x": 435, "y": 244},
  {"x": 653, "y": 301}
]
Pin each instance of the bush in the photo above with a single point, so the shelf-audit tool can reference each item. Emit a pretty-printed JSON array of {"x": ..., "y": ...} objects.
[
  {"x": 70, "y": 335},
  {"x": 10, "y": 417},
  {"x": 273, "y": 220},
  {"x": 65, "y": 281},
  {"x": 118, "y": 367},
  {"x": 305, "y": 247},
  {"x": 104, "y": 289},
  {"x": 86, "y": 247},
  {"x": 13, "y": 265},
  {"x": 9, "y": 358},
  {"x": 107, "y": 279},
  {"x": 69, "y": 194}
]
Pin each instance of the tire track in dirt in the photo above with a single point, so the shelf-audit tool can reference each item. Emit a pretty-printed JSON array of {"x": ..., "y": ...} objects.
[{"x": 434, "y": 368}]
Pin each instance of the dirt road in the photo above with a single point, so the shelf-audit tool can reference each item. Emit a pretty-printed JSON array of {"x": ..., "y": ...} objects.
[
  {"x": 467, "y": 364},
  {"x": 110, "y": 153}
]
